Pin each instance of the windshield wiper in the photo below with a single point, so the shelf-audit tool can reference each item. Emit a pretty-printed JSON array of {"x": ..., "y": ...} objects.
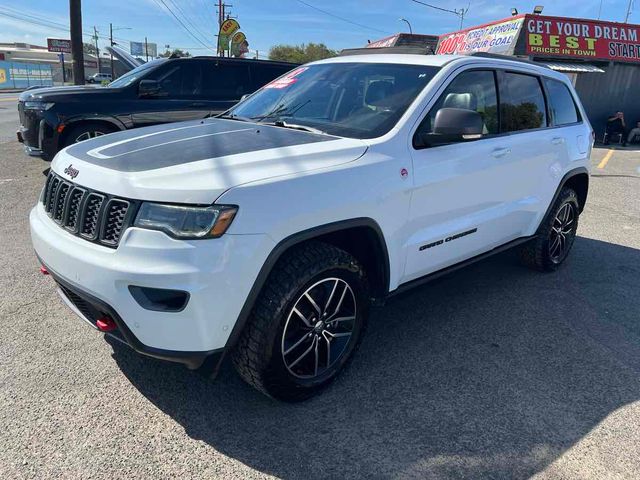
[
  {"x": 231, "y": 116},
  {"x": 295, "y": 126}
]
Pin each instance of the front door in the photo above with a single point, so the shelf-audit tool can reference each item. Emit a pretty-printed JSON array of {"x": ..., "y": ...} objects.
[
  {"x": 464, "y": 201},
  {"x": 179, "y": 99}
]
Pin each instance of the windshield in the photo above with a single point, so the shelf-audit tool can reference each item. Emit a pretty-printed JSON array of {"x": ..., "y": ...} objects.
[
  {"x": 130, "y": 77},
  {"x": 357, "y": 100}
]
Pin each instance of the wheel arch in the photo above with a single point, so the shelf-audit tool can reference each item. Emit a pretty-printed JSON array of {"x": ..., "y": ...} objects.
[
  {"x": 72, "y": 123},
  {"x": 371, "y": 251},
  {"x": 578, "y": 180}
]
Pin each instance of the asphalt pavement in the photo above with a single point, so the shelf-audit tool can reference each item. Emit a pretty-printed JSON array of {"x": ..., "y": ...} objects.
[
  {"x": 8, "y": 116},
  {"x": 494, "y": 371}
]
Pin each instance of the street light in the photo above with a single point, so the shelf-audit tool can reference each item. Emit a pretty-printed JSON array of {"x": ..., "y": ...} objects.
[
  {"x": 407, "y": 22},
  {"x": 537, "y": 10}
]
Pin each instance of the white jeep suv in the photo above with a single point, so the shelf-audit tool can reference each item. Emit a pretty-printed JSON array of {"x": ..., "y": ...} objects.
[{"x": 268, "y": 232}]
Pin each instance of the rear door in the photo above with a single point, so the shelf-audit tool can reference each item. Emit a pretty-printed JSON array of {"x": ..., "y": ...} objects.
[
  {"x": 535, "y": 148},
  {"x": 180, "y": 97}
]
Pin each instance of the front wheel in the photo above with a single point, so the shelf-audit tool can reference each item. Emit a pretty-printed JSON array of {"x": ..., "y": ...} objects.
[
  {"x": 306, "y": 324},
  {"x": 556, "y": 234},
  {"x": 86, "y": 131}
]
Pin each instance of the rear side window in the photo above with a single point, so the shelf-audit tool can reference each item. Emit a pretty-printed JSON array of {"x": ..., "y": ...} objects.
[
  {"x": 522, "y": 104},
  {"x": 562, "y": 108}
]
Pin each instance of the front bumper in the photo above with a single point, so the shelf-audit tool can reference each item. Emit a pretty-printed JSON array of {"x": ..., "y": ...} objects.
[
  {"x": 37, "y": 135},
  {"x": 218, "y": 275}
]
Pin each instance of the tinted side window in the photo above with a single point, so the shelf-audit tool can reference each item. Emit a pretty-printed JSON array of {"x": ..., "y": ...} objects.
[
  {"x": 522, "y": 104},
  {"x": 561, "y": 105},
  {"x": 472, "y": 90},
  {"x": 262, "y": 74},
  {"x": 180, "y": 80},
  {"x": 225, "y": 81}
]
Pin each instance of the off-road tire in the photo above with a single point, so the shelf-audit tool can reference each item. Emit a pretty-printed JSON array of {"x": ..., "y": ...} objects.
[
  {"x": 258, "y": 356},
  {"x": 536, "y": 253}
]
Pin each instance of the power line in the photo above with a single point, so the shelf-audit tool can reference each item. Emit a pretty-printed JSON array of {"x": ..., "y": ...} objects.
[
  {"x": 186, "y": 18},
  {"x": 340, "y": 18},
  {"x": 34, "y": 20},
  {"x": 182, "y": 24}
]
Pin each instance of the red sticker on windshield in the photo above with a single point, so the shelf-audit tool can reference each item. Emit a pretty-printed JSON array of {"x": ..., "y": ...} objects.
[{"x": 288, "y": 79}]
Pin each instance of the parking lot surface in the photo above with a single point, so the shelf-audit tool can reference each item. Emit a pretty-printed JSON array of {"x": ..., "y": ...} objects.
[{"x": 494, "y": 371}]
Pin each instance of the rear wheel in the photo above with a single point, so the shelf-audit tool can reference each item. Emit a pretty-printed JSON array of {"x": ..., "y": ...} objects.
[
  {"x": 306, "y": 324},
  {"x": 556, "y": 235}
]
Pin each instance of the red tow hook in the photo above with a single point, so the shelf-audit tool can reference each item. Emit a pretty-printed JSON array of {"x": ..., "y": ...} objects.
[
  {"x": 105, "y": 324},
  {"x": 43, "y": 270}
]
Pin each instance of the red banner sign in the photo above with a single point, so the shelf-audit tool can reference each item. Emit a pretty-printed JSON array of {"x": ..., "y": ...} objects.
[
  {"x": 568, "y": 37},
  {"x": 59, "y": 45}
]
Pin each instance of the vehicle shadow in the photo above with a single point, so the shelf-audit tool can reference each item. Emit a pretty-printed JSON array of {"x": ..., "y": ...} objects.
[{"x": 493, "y": 371}]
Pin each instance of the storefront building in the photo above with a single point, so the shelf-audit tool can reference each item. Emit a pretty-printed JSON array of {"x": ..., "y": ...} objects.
[{"x": 601, "y": 58}]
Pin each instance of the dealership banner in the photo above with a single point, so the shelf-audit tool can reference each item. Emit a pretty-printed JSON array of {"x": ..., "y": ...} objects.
[
  {"x": 568, "y": 37},
  {"x": 497, "y": 37},
  {"x": 23, "y": 75}
]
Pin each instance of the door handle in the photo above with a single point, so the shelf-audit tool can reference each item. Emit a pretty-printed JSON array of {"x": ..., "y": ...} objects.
[
  {"x": 557, "y": 140},
  {"x": 500, "y": 152}
]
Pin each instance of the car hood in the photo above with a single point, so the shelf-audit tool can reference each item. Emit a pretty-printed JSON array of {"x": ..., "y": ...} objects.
[
  {"x": 195, "y": 162},
  {"x": 54, "y": 93}
]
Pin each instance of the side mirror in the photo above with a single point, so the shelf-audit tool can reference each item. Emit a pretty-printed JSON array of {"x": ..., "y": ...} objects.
[
  {"x": 461, "y": 122},
  {"x": 149, "y": 88},
  {"x": 452, "y": 125}
]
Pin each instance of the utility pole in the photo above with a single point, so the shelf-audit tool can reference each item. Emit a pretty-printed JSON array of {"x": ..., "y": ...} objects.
[
  {"x": 113, "y": 73},
  {"x": 146, "y": 48},
  {"x": 629, "y": 8},
  {"x": 95, "y": 39},
  {"x": 75, "y": 20}
]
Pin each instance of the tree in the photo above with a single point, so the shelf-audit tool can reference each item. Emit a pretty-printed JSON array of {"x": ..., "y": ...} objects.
[
  {"x": 89, "y": 49},
  {"x": 176, "y": 51},
  {"x": 301, "y": 53}
]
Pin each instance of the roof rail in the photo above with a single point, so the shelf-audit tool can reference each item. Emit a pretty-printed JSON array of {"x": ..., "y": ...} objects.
[{"x": 497, "y": 56}]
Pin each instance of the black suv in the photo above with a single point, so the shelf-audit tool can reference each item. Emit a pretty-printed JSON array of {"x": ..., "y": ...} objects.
[{"x": 160, "y": 91}]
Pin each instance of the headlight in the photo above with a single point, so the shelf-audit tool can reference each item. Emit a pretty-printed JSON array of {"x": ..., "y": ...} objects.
[
  {"x": 38, "y": 105},
  {"x": 186, "y": 222}
]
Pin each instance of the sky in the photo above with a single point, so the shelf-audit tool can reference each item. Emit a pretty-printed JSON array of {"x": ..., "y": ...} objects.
[{"x": 270, "y": 22}]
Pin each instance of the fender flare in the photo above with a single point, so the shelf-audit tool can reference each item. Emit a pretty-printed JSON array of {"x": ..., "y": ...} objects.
[
  {"x": 71, "y": 121},
  {"x": 571, "y": 173},
  {"x": 289, "y": 242}
]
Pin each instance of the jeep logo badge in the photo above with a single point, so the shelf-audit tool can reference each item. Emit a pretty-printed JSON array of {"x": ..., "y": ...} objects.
[{"x": 72, "y": 172}]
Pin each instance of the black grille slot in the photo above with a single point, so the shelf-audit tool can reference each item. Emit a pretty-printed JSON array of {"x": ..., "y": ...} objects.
[
  {"x": 73, "y": 208},
  {"x": 95, "y": 216},
  {"x": 116, "y": 213},
  {"x": 50, "y": 196},
  {"x": 91, "y": 217},
  {"x": 61, "y": 197}
]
